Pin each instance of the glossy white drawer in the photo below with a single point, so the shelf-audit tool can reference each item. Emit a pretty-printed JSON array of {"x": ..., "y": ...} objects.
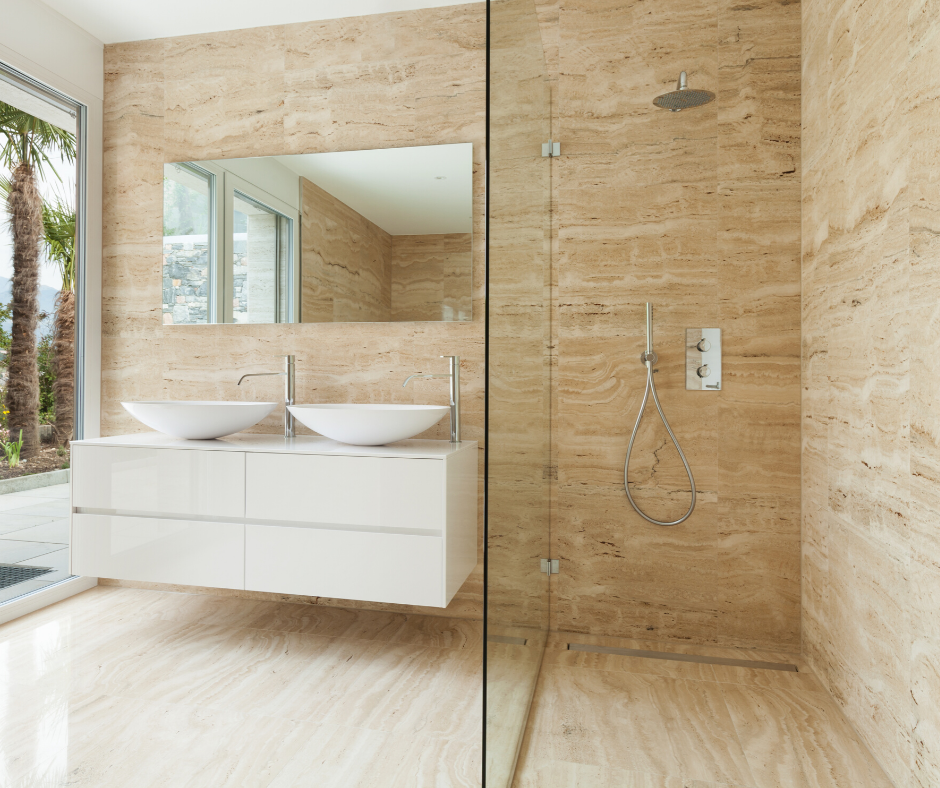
[
  {"x": 399, "y": 568},
  {"x": 356, "y": 491},
  {"x": 159, "y": 551},
  {"x": 159, "y": 481}
]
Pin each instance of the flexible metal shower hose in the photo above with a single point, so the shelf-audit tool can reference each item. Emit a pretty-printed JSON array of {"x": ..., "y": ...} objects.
[{"x": 651, "y": 389}]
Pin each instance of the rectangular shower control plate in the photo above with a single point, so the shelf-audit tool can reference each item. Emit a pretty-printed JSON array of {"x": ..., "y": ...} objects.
[{"x": 703, "y": 359}]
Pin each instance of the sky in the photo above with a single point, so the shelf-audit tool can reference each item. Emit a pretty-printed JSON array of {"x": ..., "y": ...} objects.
[{"x": 49, "y": 274}]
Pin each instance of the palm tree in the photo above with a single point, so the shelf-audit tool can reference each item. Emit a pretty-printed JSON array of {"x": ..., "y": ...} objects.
[
  {"x": 25, "y": 152},
  {"x": 58, "y": 219}
]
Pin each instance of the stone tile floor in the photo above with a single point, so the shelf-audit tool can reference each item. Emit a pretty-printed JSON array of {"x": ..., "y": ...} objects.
[
  {"x": 34, "y": 531},
  {"x": 127, "y": 688}
]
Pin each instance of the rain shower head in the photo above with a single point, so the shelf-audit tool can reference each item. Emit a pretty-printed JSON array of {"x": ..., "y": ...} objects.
[{"x": 682, "y": 98}]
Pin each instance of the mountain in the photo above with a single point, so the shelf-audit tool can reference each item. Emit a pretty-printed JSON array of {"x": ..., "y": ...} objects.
[{"x": 46, "y": 302}]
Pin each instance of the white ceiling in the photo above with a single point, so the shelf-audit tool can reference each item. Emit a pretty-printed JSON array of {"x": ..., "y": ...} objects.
[
  {"x": 405, "y": 191},
  {"x": 112, "y": 21}
]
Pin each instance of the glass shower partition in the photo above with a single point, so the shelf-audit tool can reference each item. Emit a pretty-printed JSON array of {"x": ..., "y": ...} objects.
[{"x": 518, "y": 438}]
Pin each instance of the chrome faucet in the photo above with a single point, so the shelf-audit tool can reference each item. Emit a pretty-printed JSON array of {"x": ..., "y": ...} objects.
[
  {"x": 454, "y": 376},
  {"x": 288, "y": 374}
]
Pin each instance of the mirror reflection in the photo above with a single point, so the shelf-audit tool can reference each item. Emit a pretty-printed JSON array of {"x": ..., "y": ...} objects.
[{"x": 356, "y": 236}]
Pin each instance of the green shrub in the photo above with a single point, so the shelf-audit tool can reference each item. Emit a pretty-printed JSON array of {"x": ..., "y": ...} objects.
[{"x": 12, "y": 450}]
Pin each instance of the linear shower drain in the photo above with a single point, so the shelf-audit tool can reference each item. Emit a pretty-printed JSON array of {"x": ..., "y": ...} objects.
[
  {"x": 632, "y": 652},
  {"x": 507, "y": 640},
  {"x": 11, "y": 574}
]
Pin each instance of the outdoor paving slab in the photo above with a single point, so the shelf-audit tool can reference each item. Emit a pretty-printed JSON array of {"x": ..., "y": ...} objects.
[
  {"x": 12, "y": 552},
  {"x": 56, "y": 531},
  {"x": 17, "y": 522},
  {"x": 17, "y": 501},
  {"x": 53, "y": 491},
  {"x": 54, "y": 507}
]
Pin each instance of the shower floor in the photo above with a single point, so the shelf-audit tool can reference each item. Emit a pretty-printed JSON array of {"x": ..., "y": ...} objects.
[
  {"x": 602, "y": 720},
  {"x": 119, "y": 687}
]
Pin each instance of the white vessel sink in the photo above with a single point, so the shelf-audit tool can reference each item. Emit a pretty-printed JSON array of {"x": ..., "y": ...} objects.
[
  {"x": 198, "y": 420},
  {"x": 368, "y": 425}
]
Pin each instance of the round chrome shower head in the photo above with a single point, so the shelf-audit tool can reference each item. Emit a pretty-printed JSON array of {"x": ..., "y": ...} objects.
[{"x": 682, "y": 98}]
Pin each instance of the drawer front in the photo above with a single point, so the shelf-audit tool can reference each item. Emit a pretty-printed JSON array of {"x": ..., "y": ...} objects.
[
  {"x": 159, "y": 551},
  {"x": 374, "y": 567},
  {"x": 159, "y": 481},
  {"x": 355, "y": 491}
]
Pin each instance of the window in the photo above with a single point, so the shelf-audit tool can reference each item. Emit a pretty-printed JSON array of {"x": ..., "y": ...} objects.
[{"x": 261, "y": 253}]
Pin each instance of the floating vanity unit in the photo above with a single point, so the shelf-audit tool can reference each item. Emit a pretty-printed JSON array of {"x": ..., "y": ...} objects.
[{"x": 306, "y": 515}]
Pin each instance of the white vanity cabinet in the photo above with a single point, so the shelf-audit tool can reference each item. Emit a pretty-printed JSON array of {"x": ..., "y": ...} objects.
[{"x": 306, "y": 516}]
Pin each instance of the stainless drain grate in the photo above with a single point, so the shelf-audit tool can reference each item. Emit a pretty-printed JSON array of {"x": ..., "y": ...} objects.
[
  {"x": 11, "y": 574},
  {"x": 507, "y": 640},
  {"x": 632, "y": 652}
]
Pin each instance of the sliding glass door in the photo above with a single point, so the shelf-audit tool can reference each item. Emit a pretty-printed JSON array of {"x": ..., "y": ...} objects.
[{"x": 41, "y": 318}]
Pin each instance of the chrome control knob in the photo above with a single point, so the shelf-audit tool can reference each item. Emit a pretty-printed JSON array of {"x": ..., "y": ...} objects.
[
  {"x": 704, "y": 345},
  {"x": 703, "y": 371}
]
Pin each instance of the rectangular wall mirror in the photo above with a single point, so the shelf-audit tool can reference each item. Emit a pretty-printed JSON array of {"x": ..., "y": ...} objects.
[{"x": 349, "y": 237}]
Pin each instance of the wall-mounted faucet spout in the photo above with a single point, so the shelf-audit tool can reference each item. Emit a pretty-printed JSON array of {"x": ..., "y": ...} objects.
[
  {"x": 288, "y": 373},
  {"x": 454, "y": 376}
]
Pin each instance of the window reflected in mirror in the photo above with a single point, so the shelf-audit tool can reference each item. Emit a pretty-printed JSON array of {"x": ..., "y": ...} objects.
[
  {"x": 188, "y": 246},
  {"x": 261, "y": 255}
]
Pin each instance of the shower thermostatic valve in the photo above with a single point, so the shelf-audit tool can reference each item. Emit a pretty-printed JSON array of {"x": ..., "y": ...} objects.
[{"x": 703, "y": 359}]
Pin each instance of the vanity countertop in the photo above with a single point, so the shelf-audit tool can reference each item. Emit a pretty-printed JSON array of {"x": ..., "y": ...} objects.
[{"x": 302, "y": 444}]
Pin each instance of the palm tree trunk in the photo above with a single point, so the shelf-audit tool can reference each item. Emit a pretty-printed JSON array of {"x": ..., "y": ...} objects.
[
  {"x": 63, "y": 347},
  {"x": 22, "y": 395}
]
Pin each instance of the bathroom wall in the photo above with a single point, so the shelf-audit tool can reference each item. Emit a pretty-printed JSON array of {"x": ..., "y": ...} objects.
[
  {"x": 402, "y": 79},
  {"x": 345, "y": 261},
  {"x": 697, "y": 212},
  {"x": 431, "y": 276},
  {"x": 871, "y": 409},
  {"x": 354, "y": 271}
]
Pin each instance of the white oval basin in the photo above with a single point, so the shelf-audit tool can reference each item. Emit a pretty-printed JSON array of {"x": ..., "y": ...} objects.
[
  {"x": 199, "y": 420},
  {"x": 368, "y": 425}
]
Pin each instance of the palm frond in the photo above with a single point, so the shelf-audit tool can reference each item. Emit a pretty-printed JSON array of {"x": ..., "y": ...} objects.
[
  {"x": 58, "y": 221},
  {"x": 29, "y": 140},
  {"x": 6, "y": 186}
]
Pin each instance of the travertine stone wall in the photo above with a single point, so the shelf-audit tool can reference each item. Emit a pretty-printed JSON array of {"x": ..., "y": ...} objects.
[
  {"x": 410, "y": 78},
  {"x": 697, "y": 212},
  {"x": 353, "y": 271},
  {"x": 346, "y": 273},
  {"x": 431, "y": 276},
  {"x": 871, "y": 366}
]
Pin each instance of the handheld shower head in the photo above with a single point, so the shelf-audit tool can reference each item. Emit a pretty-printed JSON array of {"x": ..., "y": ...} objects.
[
  {"x": 682, "y": 97},
  {"x": 649, "y": 359}
]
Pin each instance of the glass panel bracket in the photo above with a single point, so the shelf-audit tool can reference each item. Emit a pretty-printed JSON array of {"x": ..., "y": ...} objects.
[{"x": 549, "y": 566}]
